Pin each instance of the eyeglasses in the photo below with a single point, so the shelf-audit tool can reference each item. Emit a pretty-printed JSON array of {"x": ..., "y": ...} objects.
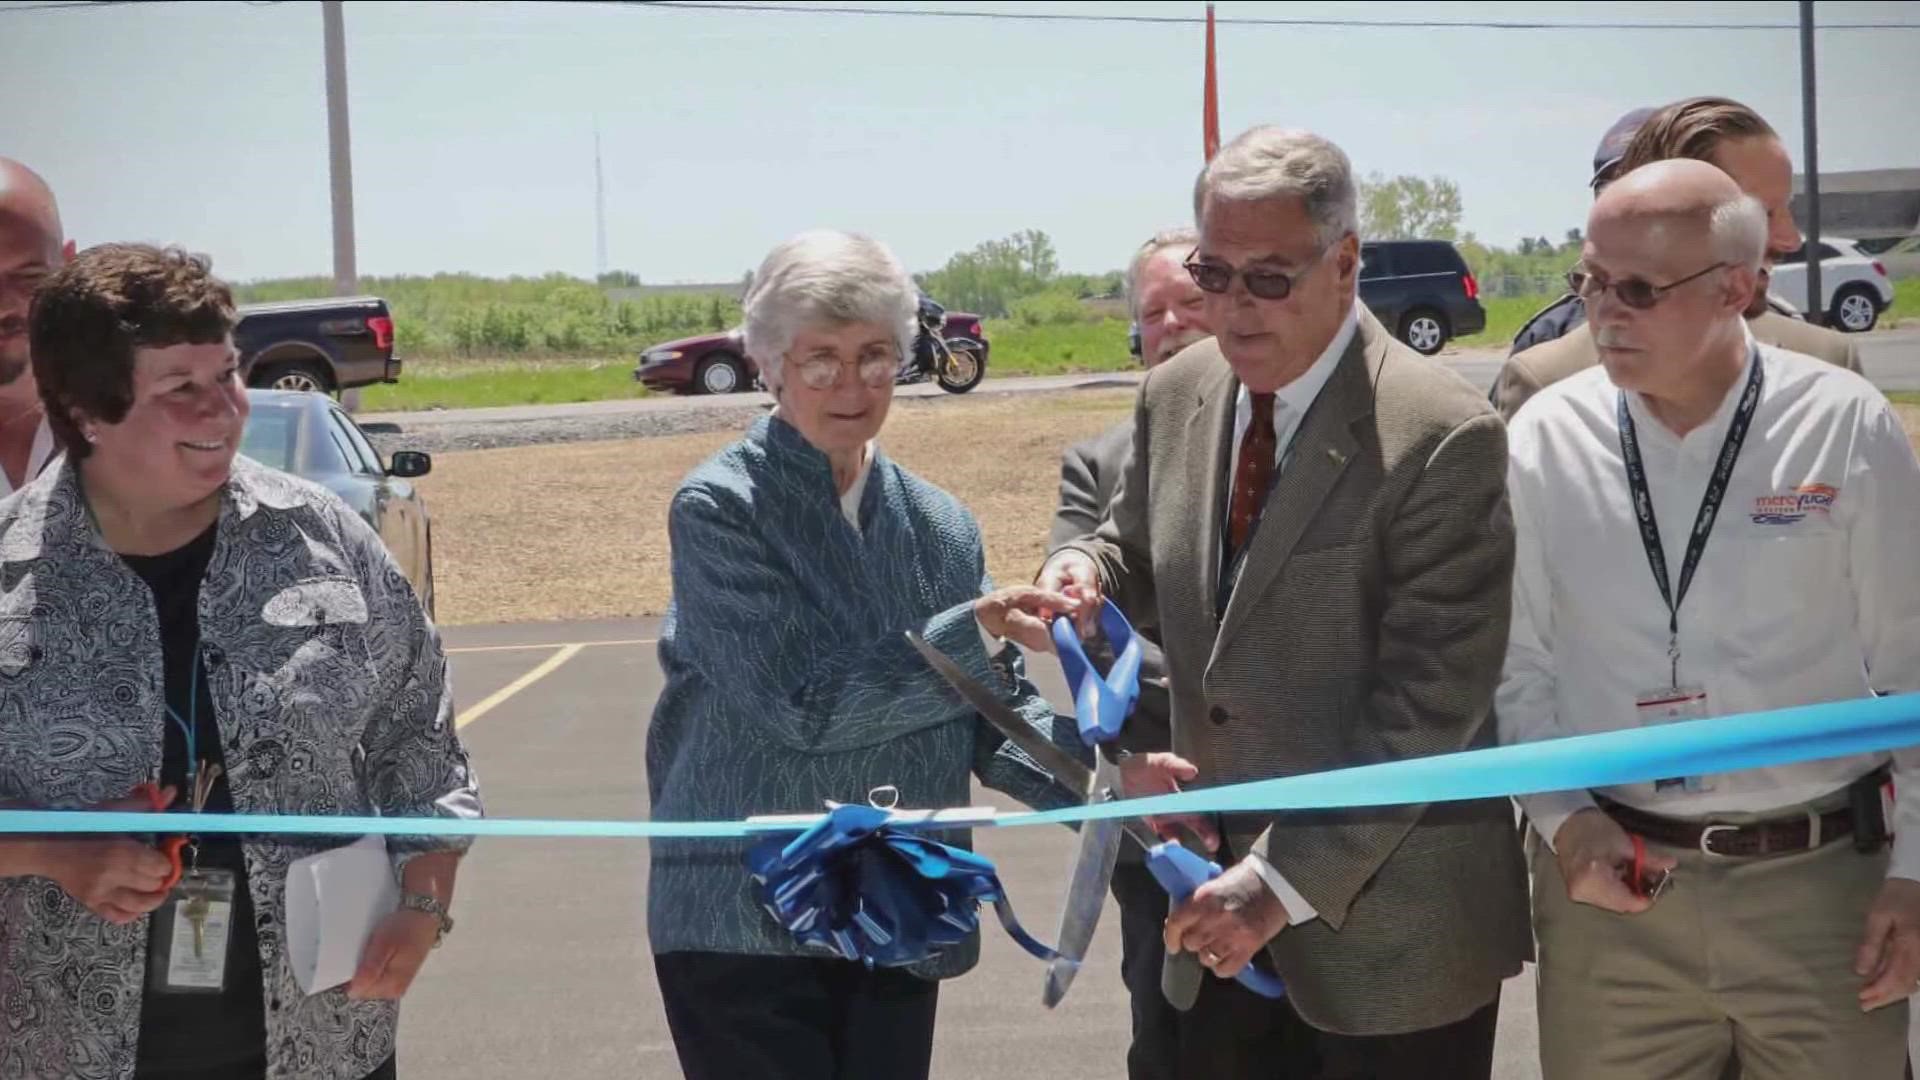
[
  {"x": 1217, "y": 277},
  {"x": 1633, "y": 292},
  {"x": 875, "y": 369}
]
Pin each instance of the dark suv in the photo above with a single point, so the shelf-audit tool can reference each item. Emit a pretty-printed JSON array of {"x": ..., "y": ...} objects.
[{"x": 1421, "y": 290}]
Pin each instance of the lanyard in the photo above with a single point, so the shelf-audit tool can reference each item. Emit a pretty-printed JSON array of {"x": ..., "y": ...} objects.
[
  {"x": 1709, "y": 503},
  {"x": 189, "y": 728}
]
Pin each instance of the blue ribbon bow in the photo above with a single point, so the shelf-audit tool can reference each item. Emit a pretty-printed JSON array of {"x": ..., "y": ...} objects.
[
  {"x": 1101, "y": 703},
  {"x": 866, "y": 890}
]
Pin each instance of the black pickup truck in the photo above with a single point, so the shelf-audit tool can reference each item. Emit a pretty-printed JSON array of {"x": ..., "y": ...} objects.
[{"x": 326, "y": 345}]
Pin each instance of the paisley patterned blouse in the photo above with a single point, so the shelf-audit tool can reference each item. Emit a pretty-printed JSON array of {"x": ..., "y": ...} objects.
[{"x": 331, "y": 691}]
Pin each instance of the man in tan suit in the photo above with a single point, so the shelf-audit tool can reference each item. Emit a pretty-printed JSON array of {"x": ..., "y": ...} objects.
[
  {"x": 1315, "y": 519},
  {"x": 1735, "y": 138}
]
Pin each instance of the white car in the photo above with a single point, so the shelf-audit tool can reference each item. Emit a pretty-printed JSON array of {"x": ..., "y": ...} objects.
[{"x": 1854, "y": 288}]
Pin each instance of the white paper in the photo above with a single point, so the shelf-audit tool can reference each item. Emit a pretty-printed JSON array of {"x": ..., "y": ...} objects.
[{"x": 334, "y": 900}]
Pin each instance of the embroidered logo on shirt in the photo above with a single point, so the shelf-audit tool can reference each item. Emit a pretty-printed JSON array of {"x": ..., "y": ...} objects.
[{"x": 1793, "y": 506}]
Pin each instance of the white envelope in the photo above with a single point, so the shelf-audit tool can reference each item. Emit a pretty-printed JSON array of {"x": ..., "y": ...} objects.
[{"x": 334, "y": 900}]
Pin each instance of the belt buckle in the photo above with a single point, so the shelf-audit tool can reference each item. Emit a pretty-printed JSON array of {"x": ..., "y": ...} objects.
[{"x": 1706, "y": 839}]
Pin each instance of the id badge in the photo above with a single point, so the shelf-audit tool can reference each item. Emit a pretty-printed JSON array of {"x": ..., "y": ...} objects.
[
  {"x": 1671, "y": 705},
  {"x": 187, "y": 953}
]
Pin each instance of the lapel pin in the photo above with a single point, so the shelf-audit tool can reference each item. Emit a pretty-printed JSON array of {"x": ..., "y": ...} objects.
[{"x": 1334, "y": 455}]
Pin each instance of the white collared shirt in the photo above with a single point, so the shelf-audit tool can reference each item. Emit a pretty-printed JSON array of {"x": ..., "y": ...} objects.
[
  {"x": 1291, "y": 402},
  {"x": 37, "y": 459},
  {"x": 850, "y": 499},
  {"x": 1290, "y": 405},
  {"x": 1807, "y": 590}
]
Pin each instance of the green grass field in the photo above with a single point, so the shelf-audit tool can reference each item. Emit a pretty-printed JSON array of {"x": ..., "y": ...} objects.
[
  {"x": 1906, "y": 301},
  {"x": 1505, "y": 316},
  {"x": 471, "y": 384},
  {"x": 1018, "y": 349}
]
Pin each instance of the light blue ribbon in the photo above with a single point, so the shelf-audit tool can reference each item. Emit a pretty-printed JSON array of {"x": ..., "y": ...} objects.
[{"x": 1634, "y": 756}]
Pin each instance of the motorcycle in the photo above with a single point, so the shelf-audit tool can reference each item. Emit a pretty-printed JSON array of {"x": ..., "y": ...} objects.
[{"x": 956, "y": 363}]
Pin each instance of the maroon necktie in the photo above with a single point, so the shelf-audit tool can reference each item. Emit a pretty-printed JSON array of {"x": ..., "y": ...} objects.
[{"x": 1253, "y": 472}]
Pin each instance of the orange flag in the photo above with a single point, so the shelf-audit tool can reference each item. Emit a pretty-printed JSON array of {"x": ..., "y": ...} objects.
[{"x": 1210, "y": 106}]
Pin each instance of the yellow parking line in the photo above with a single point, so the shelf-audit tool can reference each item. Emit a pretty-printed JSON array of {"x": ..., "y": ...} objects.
[
  {"x": 549, "y": 645},
  {"x": 492, "y": 700}
]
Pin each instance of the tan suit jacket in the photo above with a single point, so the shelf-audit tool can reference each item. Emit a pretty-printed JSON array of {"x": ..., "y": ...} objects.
[
  {"x": 1535, "y": 369},
  {"x": 1368, "y": 624}
]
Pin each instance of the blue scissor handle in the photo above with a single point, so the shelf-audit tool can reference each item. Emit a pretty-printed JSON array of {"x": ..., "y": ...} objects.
[
  {"x": 1101, "y": 703},
  {"x": 1180, "y": 872}
]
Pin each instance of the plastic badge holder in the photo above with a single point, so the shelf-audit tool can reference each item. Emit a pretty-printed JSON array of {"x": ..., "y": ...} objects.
[{"x": 1101, "y": 703}]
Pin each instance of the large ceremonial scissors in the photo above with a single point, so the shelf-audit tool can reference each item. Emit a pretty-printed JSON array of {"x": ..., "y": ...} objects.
[{"x": 1178, "y": 869}]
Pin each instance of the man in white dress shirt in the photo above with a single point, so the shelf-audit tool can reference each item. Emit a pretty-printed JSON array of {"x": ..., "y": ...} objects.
[
  {"x": 32, "y": 247},
  {"x": 1708, "y": 526}
]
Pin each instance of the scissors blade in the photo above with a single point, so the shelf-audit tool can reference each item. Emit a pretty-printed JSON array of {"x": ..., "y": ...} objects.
[
  {"x": 1068, "y": 771},
  {"x": 1098, "y": 850}
]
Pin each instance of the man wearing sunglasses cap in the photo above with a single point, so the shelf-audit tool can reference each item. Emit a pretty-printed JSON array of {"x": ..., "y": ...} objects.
[
  {"x": 1710, "y": 525},
  {"x": 1315, "y": 517},
  {"x": 1741, "y": 144}
]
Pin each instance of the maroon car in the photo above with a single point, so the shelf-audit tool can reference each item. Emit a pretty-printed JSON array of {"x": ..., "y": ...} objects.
[{"x": 718, "y": 363}]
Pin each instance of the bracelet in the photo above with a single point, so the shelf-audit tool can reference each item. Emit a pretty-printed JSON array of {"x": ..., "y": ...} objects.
[{"x": 422, "y": 902}]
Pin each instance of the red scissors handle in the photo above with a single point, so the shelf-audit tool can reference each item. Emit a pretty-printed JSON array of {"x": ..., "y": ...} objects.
[{"x": 170, "y": 846}]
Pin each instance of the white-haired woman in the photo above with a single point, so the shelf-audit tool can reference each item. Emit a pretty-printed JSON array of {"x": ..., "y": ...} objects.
[{"x": 800, "y": 556}]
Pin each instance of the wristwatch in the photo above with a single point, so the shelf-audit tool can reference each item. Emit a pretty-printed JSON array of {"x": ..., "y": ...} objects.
[{"x": 414, "y": 901}]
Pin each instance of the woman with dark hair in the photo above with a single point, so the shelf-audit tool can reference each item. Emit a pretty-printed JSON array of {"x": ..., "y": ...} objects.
[{"x": 179, "y": 619}]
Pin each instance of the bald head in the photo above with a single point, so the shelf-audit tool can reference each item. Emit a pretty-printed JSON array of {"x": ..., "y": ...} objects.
[
  {"x": 1672, "y": 257},
  {"x": 32, "y": 246},
  {"x": 26, "y": 199},
  {"x": 1689, "y": 206}
]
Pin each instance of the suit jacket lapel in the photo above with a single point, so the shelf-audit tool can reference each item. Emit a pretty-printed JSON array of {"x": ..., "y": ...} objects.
[
  {"x": 1210, "y": 435},
  {"x": 1321, "y": 451}
]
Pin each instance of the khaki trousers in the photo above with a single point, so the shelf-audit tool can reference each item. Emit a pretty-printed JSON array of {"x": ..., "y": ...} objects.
[{"x": 1740, "y": 958}]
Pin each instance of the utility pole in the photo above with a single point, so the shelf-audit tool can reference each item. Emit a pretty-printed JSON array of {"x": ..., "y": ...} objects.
[
  {"x": 346, "y": 276},
  {"x": 1815, "y": 310},
  {"x": 599, "y": 210}
]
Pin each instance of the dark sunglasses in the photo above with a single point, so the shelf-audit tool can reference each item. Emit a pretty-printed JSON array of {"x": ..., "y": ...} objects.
[
  {"x": 1217, "y": 277},
  {"x": 1633, "y": 292}
]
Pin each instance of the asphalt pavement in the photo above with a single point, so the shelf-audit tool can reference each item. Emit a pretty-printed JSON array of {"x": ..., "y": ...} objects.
[{"x": 548, "y": 972}]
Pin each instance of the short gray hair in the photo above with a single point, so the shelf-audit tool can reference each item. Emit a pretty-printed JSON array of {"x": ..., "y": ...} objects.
[
  {"x": 1737, "y": 229},
  {"x": 825, "y": 276},
  {"x": 1273, "y": 162},
  {"x": 1179, "y": 237}
]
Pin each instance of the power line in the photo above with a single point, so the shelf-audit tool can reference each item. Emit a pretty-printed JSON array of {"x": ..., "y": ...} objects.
[
  {"x": 1193, "y": 20},
  {"x": 1085, "y": 17}
]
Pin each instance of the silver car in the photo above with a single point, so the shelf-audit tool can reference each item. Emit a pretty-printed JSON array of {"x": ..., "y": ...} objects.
[{"x": 311, "y": 436}]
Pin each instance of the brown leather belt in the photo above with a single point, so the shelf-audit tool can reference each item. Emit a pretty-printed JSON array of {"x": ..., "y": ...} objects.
[{"x": 1777, "y": 836}]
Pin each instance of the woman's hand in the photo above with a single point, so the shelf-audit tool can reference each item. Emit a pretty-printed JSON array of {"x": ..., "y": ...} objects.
[
  {"x": 395, "y": 952},
  {"x": 1023, "y": 613},
  {"x": 116, "y": 878}
]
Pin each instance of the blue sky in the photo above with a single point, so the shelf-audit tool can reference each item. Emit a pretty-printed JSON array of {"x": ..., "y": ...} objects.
[{"x": 724, "y": 132}]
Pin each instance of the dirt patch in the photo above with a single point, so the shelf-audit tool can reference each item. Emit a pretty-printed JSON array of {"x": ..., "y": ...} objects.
[{"x": 579, "y": 530}]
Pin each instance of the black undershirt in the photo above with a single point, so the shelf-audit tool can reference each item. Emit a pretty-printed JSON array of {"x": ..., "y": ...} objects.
[{"x": 207, "y": 1036}]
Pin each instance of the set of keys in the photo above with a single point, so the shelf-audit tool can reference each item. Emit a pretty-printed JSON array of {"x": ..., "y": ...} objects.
[{"x": 192, "y": 929}]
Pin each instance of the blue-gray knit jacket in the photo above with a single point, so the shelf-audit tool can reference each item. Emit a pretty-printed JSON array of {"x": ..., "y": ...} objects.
[{"x": 789, "y": 680}]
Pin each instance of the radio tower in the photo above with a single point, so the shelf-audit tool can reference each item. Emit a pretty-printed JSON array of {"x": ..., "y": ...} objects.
[{"x": 599, "y": 210}]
